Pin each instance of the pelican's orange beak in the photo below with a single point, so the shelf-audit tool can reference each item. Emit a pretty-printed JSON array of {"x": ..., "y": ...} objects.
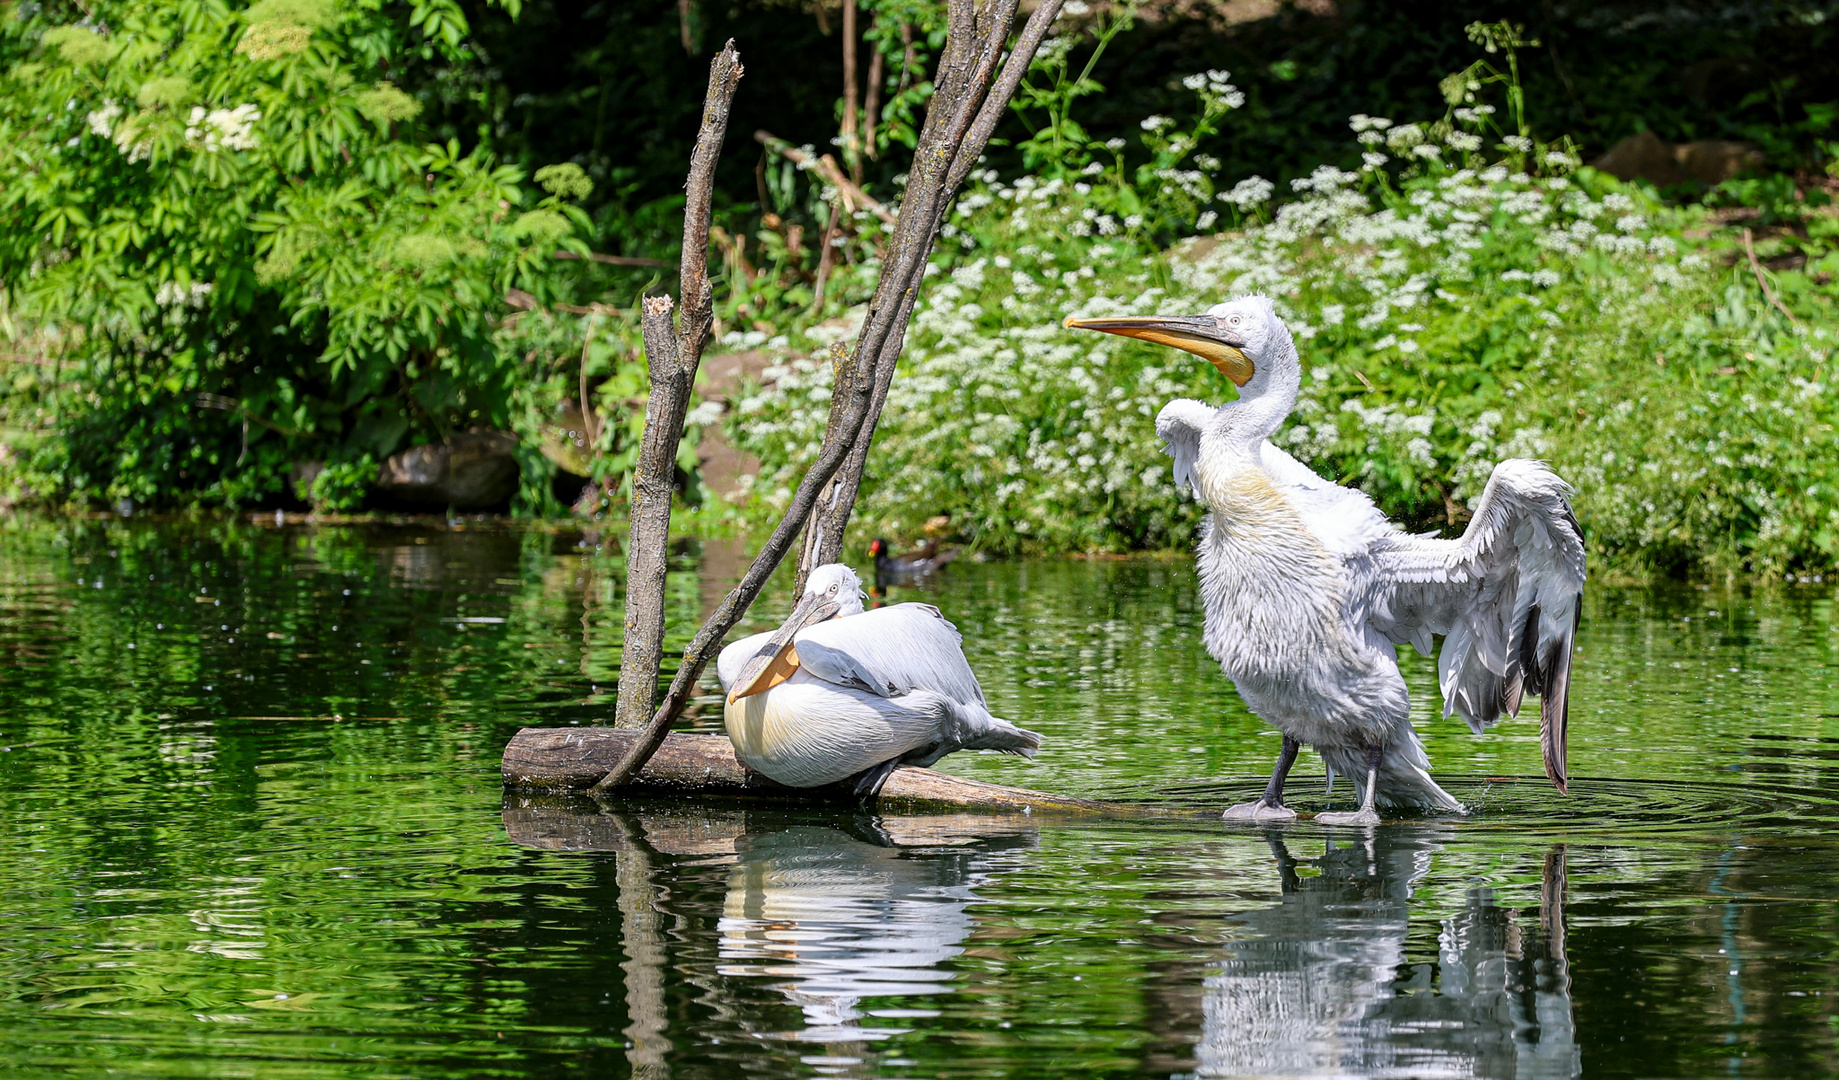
[
  {"x": 1197, "y": 334},
  {"x": 777, "y": 660}
]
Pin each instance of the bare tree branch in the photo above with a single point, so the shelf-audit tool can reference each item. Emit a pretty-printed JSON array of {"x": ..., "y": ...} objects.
[
  {"x": 590, "y": 417},
  {"x": 615, "y": 260},
  {"x": 848, "y": 132},
  {"x": 647, "y": 544},
  {"x": 1015, "y": 68},
  {"x": 827, "y": 168},
  {"x": 672, "y": 357},
  {"x": 826, "y": 254},
  {"x": 871, "y": 107},
  {"x": 972, "y": 48},
  {"x": 835, "y": 509},
  {"x": 1749, "y": 248}
]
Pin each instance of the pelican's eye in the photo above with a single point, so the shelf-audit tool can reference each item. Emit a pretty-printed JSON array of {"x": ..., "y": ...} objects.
[{"x": 833, "y": 586}]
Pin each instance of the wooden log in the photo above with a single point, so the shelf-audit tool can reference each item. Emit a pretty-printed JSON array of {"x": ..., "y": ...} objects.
[{"x": 572, "y": 759}]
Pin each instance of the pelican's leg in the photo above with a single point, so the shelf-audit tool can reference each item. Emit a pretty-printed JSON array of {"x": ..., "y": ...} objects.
[
  {"x": 869, "y": 781},
  {"x": 1366, "y": 815},
  {"x": 1269, "y": 806}
]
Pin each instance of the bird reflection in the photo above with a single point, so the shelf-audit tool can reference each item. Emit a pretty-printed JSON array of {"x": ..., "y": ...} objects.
[
  {"x": 837, "y": 918},
  {"x": 1320, "y": 984}
]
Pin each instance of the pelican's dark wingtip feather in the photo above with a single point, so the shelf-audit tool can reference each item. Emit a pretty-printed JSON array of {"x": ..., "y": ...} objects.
[{"x": 1555, "y": 705}]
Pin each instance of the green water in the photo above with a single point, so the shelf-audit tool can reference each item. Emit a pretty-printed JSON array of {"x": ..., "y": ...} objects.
[{"x": 254, "y": 827}]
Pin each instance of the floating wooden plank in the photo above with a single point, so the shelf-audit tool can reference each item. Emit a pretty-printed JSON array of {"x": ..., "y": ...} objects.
[{"x": 571, "y": 759}]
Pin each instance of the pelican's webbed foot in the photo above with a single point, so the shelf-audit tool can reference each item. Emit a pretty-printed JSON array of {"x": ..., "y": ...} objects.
[
  {"x": 1366, "y": 815},
  {"x": 1260, "y": 810},
  {"x": 1269, "y": 806}
]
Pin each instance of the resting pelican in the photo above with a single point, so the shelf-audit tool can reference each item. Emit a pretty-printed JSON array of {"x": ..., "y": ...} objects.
[
  {"x": 1307, "y": 586},
  {"x": 836, "y": 691}
]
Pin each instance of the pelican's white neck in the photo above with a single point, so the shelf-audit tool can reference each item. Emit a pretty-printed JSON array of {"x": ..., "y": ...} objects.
[{"x": 1266, "y": 400}]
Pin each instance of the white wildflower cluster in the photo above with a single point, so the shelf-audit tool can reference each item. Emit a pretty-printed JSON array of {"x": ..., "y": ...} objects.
[
  {"x": 1248, "y": 193},
  {"x": 1030, "y": 433},
  {"x": 704, "y": 414},
  {"x": 223, "y": 129},
  {"x": 171, "y": 294},
  {"x": 1216, "y": 88},
  {"x": 125, "y": 134}
]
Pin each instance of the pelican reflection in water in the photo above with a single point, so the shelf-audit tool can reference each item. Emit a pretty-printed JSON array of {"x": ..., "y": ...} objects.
[
  {"x": 1320, "y": 984},
  {"x": 836, "y": 918}
]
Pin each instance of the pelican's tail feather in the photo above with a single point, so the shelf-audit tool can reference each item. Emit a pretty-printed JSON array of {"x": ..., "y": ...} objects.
[
  {"x": 1003, "y": 736},
  {"x": 1404, "y": 773}
]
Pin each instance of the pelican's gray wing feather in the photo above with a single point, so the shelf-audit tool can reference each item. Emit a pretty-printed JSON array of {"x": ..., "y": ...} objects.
[
  {"x": 1179, "y": 424},
  {"x": 891, "y": 651},
  {"x": 1507, "y": 594}
]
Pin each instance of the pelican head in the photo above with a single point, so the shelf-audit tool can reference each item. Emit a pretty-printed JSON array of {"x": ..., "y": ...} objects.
[
  {"x": 832, "y": 592},
  {"x": 1239, "y": 337}
]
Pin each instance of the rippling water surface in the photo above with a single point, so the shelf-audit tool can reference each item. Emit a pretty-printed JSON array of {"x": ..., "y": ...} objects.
[{"x": 254, "y": 827}]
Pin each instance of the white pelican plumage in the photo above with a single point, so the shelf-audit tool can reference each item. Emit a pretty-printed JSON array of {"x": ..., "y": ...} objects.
[
  {"x": 1308, "y": 588},
  {"x": 837, "y": 691}
]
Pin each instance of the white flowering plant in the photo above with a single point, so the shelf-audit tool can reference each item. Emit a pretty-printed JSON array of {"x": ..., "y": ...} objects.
[{"x": 1451, "y": 309}]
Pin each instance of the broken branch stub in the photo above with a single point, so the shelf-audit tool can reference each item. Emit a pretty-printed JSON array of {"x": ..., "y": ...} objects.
[
  {"x": 672, "y": 356},
  {"x": 962, "y": 92}
]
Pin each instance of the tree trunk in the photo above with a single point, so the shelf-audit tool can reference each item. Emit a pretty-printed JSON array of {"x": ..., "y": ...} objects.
[
  {"x": 871, "y": 105},
  {"x": 850, "y": 155},
  {"x": 672, "y": 356}
]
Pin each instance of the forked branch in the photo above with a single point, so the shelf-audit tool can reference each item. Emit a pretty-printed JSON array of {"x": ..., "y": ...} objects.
[
  {"x": 825, "y": 542},
  {"x": 962, "y": 113}
]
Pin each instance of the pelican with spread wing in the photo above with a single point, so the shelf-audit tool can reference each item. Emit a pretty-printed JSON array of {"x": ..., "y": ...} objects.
[
  {"x": 1308, "y": 588},
  {"x": 838, "y": 692}
]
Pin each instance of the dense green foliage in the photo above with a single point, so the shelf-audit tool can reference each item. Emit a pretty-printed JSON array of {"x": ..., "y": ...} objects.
[
  {"x": 612, "y": 87},
  {"x": 250, "y": 253},
  {"x": 236, "y": 255}
]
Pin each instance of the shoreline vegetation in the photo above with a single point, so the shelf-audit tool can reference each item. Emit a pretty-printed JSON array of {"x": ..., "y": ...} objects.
[{"x": 242, "y": 277}]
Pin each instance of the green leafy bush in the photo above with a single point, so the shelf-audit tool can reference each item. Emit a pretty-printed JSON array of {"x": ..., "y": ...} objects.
[
  {"x": 238, "y": 255},
  {"x": 342, "y": 485}
]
